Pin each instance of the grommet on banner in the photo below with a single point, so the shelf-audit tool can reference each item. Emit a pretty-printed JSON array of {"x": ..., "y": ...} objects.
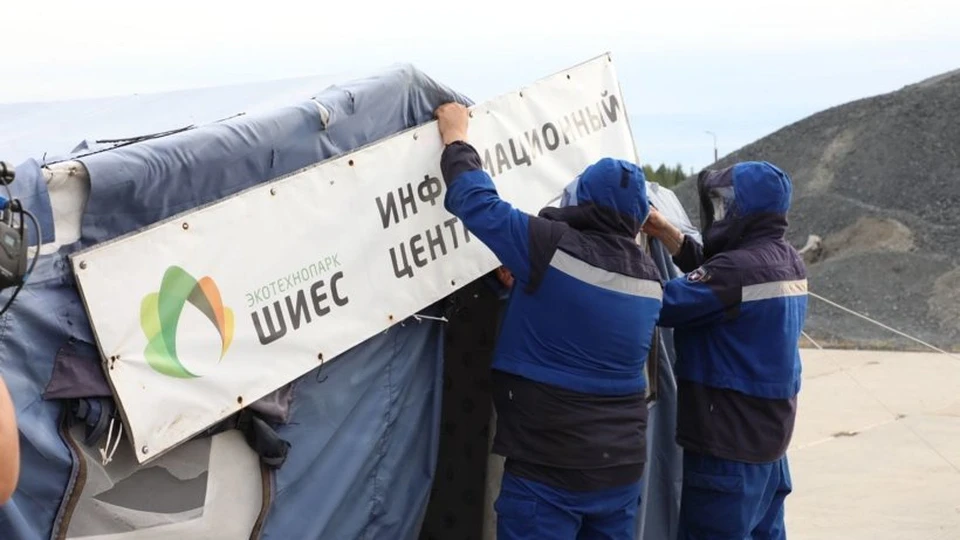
[
  {"x": 240, "y": 400},
  {"x": 350, "y": 163},
  {"x": 273, "y": 191},
  {"x": 416, "y": 136},
  {"x": 83, "y": 265},
  {"x": 185, "y": 225}
]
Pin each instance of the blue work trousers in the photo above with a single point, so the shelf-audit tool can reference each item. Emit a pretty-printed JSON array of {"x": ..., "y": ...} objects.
[
  {"x": 732, "y": 500},
  {"x": 531, "y": 510}
]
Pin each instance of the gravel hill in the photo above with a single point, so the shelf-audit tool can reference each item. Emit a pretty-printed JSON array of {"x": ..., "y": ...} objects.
[{"x": 878, "y": 180}]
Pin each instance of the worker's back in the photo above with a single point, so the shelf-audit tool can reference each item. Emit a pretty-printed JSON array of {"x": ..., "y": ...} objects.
[
  {"x": 568, "y": 371},
  {"x": 587, "y": 297},
  {"x": 587, "y": 324}
]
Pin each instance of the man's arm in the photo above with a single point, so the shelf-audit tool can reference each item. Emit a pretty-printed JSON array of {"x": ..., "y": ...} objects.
[
  {"x": 687, "y": 253},
  {"x": 472, "y": 196},
  {"x": 9, "y": 446},
  {"x": 687, "y": 304},
  {"x": 706, "y": 295}
]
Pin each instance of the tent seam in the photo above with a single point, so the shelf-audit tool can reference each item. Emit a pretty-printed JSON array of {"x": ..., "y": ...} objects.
[{"x": 377, "y": 498}]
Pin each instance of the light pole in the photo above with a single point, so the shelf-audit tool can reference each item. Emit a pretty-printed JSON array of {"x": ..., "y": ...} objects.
[{"x": 715, "y": 157}]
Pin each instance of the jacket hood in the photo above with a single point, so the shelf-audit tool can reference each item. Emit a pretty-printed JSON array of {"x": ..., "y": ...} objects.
[
  {"x": 615, "y": 184},
  {"x": 748, "y": 200},
  {"x": 761, "y": 188},
  {"x": 609, "y": 196}
]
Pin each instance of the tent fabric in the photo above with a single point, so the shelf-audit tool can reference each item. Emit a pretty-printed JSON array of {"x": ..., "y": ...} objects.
[
  {"x": 394, "y": 410},
  {"x": 366, "y": 431},
  {"x": 44, "y": 318},
  {"x": 30, "y": 188},
  {"x": 130, "y": 186}
]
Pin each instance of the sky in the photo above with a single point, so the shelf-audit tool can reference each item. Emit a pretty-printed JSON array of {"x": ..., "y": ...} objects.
[{"x": 740, "y": 68}]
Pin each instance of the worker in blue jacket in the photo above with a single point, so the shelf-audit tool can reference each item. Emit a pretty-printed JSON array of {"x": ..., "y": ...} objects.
[
  {"x": 568, "y": 370},
  {"x": 737, "y": 316}
]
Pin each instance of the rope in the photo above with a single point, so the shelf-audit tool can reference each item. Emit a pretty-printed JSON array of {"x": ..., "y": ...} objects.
[
  {"x": 106, "y": 453},
  {"x": 810, "y": 339},
  {"x": 419, "y": 316},
  {"x": 881, "y": 325}
]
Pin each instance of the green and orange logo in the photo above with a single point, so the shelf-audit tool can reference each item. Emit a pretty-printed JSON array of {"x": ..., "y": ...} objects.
[{"x": 160, "y": 316}]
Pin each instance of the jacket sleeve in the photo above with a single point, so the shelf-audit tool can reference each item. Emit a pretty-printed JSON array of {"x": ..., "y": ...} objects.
[
  {"x": 473, "y": 198},
  {"x": 690, "y": 256},
  {"x": 707, "y": 295}
]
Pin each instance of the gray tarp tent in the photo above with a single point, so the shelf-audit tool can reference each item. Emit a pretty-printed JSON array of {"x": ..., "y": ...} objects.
[{"x": 388, "y": 441}]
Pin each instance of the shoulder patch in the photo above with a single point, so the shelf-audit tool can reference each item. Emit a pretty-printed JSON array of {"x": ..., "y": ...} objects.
[{"x": 700, "y": 275}]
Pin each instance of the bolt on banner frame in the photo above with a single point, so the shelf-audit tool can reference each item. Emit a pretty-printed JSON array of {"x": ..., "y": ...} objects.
[{"x": 223, "y": 304}]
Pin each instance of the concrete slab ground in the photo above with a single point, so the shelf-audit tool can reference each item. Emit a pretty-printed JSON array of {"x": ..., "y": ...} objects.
[{"x": 876, "y": 452}]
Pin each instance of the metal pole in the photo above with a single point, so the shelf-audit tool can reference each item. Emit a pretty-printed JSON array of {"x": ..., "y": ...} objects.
[{"x": 716, "y": 158}]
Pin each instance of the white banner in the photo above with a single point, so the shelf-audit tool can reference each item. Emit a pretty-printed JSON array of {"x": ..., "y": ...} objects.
[{"x": 209, "y": 311}]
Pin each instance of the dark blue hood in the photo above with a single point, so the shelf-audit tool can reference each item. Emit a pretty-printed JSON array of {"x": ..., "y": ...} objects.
[
  {"x": 609, "y": 196},
  {"x": 617, "y": 185},
  {"x": 758, "y": 199},
  {"x": 761, "y": 188}
]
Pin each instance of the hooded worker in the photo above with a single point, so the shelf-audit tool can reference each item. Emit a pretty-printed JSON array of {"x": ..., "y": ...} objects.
[
  {"x": 568, "y": 370},
  {"x": 737, "y": 317}
]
